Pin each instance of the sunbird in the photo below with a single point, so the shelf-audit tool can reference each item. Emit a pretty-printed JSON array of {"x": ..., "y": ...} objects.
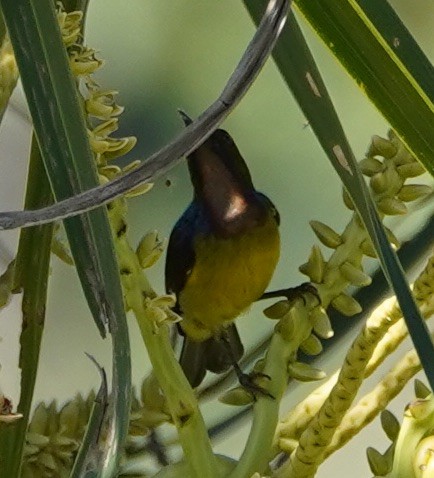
[{"x": 221, "y": 255}]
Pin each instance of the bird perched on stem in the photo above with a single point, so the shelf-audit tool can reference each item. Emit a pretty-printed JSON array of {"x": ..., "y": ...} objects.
[{"x": 221, "y": 255}]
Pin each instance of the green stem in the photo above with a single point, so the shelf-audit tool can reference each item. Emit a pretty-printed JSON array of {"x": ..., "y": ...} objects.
[
  {"x": 31, "y": 276},
  {"x": 181, "y": 400},
  {"x": 266, "y": 410}
]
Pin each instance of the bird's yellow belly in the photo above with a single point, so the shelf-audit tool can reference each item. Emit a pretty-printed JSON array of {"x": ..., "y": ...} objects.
[{"x": 227, "y": 277}]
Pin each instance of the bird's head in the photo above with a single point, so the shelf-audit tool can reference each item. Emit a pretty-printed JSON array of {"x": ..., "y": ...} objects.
[{"x": 218, "y": 150}]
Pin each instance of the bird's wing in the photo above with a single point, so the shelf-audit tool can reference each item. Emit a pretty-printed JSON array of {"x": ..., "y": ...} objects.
[{"x": 180, "y": 250}]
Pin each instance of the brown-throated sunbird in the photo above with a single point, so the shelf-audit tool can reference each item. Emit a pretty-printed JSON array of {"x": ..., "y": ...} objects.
[{"x": 221, "y": 255}]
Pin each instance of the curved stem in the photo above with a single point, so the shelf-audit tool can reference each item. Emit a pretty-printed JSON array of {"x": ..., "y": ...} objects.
[
  {"x": 265, "y": 415},
  {"x": 160, "y": 162}
]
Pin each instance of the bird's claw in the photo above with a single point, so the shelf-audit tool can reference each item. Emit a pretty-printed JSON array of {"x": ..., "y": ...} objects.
[
  {"x": 248, "y": 382},
  {"x": 300, "y": 291}
]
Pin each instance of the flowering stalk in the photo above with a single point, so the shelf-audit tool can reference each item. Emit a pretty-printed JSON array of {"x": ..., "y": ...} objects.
[
  {"x": 393, "y": 332},
  {"x": 387, "y": 181}
]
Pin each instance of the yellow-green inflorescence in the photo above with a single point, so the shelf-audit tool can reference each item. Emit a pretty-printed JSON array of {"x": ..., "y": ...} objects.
[
  {"x": 388, "y": 165},
  {"x": 314, "y": 428},
  {"x": 383, "y": 332},
  {"x": 54, "y": 436}
]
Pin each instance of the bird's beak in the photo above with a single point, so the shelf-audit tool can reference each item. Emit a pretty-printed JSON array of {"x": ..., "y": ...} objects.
[{"x": 187, "y": 120}]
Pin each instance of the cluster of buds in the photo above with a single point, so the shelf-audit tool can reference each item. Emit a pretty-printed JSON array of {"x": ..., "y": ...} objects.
[
  {"x": 54, "y": 436},
  {"x": 100, "y": 106},
  {"x": 411, "y": 451},
  {"x": 388, "y": 164},
  {"x": 102, "y": 118}
]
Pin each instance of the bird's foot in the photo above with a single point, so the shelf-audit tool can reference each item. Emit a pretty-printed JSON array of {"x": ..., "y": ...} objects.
[
  {"x": 294, "y": 293},
  {"x": 300, "y": 292},
  {"x": 248, "y": 382}
]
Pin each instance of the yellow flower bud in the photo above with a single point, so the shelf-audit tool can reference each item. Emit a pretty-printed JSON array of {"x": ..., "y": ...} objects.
[
  {"x": 411, "y": 192},
  {"x": 346, "y": 304},
  {"x": 97, "y": 145},
  {"x": 314, "y": 267},
  {"x": 420, "y": 389},
  {"x": 326, "y": 234},
  {"x": 311, "y": 346},
  {"x": 80, "y": 66},
  {"x": 420, "y": 409},
  {"x": 410, "y": 170},
  {"x": 149, "y": 249},
  {"x": 368, "y": 248},
  {"x": 121, "y": 147},
  {"x": 321, "y": 323},
  {"x": 304, "y": 372},
  {"x": 382, "y": 147},
  {"x": 140, "y": 189},
  {"x": 379, "y": 465},
  {"x": 237, "y": 396},
  {"x": 392, "y": 238},
  {"x": 379, "y": 183},
  {"x": 390, "y": 425},
  {"x": 278, "y": 310},
  {"x": 347, "y": 200},
  {"x": 354, "y": 274},
  {"x": 370, "y": 166},
  {"x": 392, "y": 206},
  {"x": 287, "y": 445},
  {"x": 133, "y": 165},
  {"x": 106, "y": 128},
  {"x": 166, "y": 300}
]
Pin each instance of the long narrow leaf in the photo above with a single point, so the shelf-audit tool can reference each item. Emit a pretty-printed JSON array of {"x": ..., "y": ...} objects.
[
  {"x": 60, "y": 129},
  {"x": 347, "y": 30},
  {"x": 399, "y": 39},
  {"x": 61, "y": 134},
  {"x": 31, "y": 277},
  {"x": 298, "y": 68},
  {"x": 88, "y": 461}
]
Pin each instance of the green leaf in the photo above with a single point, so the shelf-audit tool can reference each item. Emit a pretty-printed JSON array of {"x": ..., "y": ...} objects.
[
  {"x": 60, "y": 129},
  {"x": 31, "y": 277},
  {"x": 61, "y": 133},
  {"x": 346, "y": 28},
  {"x": 89, "y": 457},
  {"x": 399, "y": 39}
]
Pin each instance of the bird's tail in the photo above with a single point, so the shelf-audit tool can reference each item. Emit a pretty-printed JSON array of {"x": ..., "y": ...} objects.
[{"x": 215, "y": 354}]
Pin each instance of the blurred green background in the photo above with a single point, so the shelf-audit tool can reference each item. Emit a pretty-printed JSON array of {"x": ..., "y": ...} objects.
[{"x": 178, "y": 54}]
